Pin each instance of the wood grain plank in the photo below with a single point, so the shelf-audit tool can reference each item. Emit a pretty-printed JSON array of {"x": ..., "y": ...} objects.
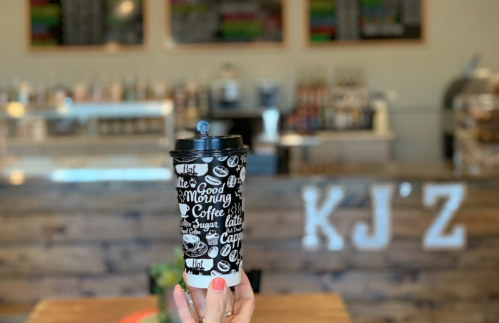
[
  {"x": 260, "y": 192},
  {"x": 138, "y": 257},
  {"x": 359, "y": 286},
  {"x": 474, "y": 285},
  {"x": 36, "y": 288},
  {"x": 40, "y": 227},
  {"x": 259, "y": 225},
  {"x": 52, "y": 259},
  {"x": 31, "y": 290},
  {"x": 133, "y": 284},
  {"x": 481, "y": 253},
  {"x": 285, "y": 256}
]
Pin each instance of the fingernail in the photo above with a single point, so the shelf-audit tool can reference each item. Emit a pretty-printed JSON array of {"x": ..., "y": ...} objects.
[{"x": 218, "y": 285}]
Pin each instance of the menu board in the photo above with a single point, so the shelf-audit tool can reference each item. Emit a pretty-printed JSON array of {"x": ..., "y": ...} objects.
[
  {"x": 90, "y": 23},
  {"x": 337, "y": 21},
  {"x": 214, "y": 22}
]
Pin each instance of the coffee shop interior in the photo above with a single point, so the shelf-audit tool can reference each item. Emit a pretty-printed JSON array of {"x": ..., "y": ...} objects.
[{"x": 372, "y": 178}]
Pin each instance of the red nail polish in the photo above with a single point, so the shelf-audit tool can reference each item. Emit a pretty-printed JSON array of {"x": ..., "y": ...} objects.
[{"x": 218, "y": 284}]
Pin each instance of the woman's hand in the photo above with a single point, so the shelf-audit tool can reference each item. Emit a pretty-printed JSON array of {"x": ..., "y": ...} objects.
[{"x": 216, "y": 305}]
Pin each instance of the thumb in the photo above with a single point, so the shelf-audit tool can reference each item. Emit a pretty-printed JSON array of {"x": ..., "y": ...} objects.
[{"x": 216, "y": 299}]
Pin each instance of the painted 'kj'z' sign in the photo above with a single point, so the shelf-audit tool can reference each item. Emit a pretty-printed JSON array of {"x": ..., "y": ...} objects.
[{"x": 378, "y": 236}]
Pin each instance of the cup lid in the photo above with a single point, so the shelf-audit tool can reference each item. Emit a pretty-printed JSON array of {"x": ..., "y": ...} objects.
[{"x": 206, "y": 145}]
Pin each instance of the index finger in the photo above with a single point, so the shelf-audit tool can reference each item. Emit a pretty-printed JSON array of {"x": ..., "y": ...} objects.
[
  {"x": 245, "y": 303},
  {"x": 198, "y": 297},
  {"x": 184, "y": 310},
  {"x": 244, "y": 289}
]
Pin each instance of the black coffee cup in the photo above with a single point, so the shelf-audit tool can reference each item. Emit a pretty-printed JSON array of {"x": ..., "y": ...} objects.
[{"x": 210, "y": 171}]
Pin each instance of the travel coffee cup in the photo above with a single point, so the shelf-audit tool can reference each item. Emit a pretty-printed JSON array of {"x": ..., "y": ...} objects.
[{"x": 210, "y": 171}]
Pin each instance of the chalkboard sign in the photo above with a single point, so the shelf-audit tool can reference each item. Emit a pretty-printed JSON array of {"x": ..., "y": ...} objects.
[
  {"x": 225, "y": 22},
  {"x": 354, "y": 21},
  {"x": 63, "y": 24}
]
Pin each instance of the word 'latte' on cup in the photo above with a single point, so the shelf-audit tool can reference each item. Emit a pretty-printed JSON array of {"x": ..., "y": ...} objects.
[{"x": 210, "y": 172}]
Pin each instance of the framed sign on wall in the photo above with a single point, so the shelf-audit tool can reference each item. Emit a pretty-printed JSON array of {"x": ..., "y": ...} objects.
[
  {"x": 225, "y": 23},
  {"x": 342, "y": 22},
  {"x": 61, "y": 25}
]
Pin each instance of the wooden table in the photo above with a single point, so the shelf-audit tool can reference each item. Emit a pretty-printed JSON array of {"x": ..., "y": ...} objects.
[{"x": 302, "y": 308}]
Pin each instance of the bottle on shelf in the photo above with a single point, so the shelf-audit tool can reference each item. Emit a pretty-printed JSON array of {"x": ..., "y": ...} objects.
[
  {"x": 58, "y": 94},
  {"x": 4, "y": 95},
  {"x": 25, "y": 94},
  {"x": 141, "y": 90},
  {"x": 14, "y": 90},
  {"x": 80, "y": 92},
  {"x": 116, "y": 90},
  {"x": 343, "y": 107},
  {"x": 105, "y": 88},
  {"x": 129, "y": 89},
  {"x": 158, "y": 90}
]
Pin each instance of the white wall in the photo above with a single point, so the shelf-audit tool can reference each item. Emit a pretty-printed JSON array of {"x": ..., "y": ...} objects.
[{"x": 456, "y": 30}]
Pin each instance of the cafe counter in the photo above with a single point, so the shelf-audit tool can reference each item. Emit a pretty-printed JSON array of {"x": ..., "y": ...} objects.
[{"x": 398, "y": 242}]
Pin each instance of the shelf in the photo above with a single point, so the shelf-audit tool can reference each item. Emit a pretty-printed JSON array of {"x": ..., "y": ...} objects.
[
  {"x": 325, "y": 137},
  {"x": 91, "y": 146},
  {"x": 99, "y": 110},
  {"x": 367, "y": 135},
  {"x": 94, "y": 141},
  {"x": 75, "y": 141},
  {"x": 296, "y": 140},
  {"x": 85, "y": 168}
]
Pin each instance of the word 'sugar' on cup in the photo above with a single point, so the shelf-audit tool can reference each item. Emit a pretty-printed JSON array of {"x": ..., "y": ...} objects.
[{"x": 210, "y": 171}]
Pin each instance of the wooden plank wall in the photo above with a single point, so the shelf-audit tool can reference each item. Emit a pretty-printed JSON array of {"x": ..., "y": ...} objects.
[{"x": 96, "y": 239}]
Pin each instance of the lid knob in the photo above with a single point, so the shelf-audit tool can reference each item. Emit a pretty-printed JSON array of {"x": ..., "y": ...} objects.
[{"x": 203, "y": 127}]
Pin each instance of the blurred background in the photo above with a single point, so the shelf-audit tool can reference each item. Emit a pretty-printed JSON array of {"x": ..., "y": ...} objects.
[{"x": 94, "y": 93}]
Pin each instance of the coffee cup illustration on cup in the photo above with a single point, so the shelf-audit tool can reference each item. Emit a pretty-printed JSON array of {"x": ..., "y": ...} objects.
[
  {"x": 184, "y": 208},
  {"x": 193, "y": 246}
]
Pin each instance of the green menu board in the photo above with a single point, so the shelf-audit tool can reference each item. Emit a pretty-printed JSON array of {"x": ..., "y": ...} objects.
[
  {"x": 85, "y": 23},
  {"x": 343, "y": 21},
  {"x": 215, "y": 22}
]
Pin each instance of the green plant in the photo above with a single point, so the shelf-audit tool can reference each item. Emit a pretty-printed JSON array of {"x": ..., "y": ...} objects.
[{"x": 167, "y": 276}]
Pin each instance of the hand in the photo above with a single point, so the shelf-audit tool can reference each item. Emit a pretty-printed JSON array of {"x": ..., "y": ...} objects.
[{"x": 212, "y": 305}]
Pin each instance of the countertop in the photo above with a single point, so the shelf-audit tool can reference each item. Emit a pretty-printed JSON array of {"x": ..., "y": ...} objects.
[{"x": 303, "y": 308}]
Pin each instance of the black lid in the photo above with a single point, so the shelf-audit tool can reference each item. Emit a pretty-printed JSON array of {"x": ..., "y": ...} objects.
[{"x": 205, "y": 145}]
